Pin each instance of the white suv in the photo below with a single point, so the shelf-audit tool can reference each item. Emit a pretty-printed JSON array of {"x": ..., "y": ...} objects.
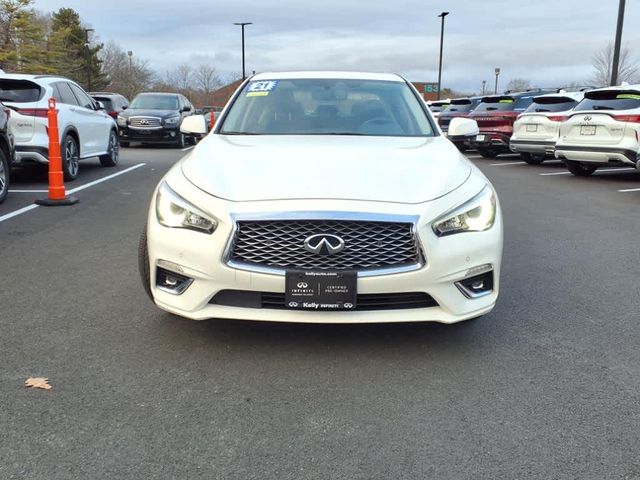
[
  {"x": 85, "y": 129},
  {"x": 603, "y": 129},
  {"x": 537, "y": 129}
]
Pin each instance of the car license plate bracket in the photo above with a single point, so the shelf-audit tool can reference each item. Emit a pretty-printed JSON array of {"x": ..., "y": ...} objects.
[
  {"x": 532, "y": 128},
  {"x": 321, "y": 290},
  {"x": 481, "y": 138},
  {"x": 588, "y": 130}
]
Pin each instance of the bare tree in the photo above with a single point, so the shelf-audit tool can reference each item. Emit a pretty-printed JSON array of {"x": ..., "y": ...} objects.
[
  {"x": 126, "y": 75},
  {"x": 518, "y": 85},
  {"x": 206, "y": 79},
  {"x": 602, "y": 61},
  {"x": 181, "y": 78}
]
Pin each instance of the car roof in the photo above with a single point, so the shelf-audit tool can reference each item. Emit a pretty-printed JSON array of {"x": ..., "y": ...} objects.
[
  {"x": 337, "y": 75},
  {"x": 23, "y": 76},
  {"x": 168, "y": 94},
  {"x": 635, "y": 87}
]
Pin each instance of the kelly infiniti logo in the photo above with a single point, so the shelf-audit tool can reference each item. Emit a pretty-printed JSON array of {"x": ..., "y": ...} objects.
[
  {"x": 324, "y": 244},
  {"x": 303, "y": 285}
]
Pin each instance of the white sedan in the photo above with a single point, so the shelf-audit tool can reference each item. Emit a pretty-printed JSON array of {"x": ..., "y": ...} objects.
[{"x": 324, "y": 197}]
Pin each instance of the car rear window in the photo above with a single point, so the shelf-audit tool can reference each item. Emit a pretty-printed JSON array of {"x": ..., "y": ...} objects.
[
  {"x": 551, "y": 104},
  {"x": 108, "y": 104},
  {"x": 19, "y": 91},
  {"x": 462, "y": 105},
  {"x": 610, "y": 100},
  {"x": 500, "y": 104}
]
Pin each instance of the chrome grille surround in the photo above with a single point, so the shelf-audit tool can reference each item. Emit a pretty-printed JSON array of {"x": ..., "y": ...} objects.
[
  {"x": 375, "y": 244},
  {"x": 145, "y": 122}
]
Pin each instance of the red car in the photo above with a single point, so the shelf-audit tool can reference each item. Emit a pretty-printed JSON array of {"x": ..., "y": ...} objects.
[{"x": 496, "y": 115}]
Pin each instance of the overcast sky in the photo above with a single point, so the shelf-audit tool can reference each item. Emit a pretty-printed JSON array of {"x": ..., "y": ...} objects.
[{"x": 549, "y": 42}]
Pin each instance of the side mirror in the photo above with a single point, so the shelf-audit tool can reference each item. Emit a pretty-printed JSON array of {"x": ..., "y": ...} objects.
[
  {"x": 186, "y": 109},
  {"x": 194, "y": 124},
  {"x": 100, "y": 105},
  {"x": 463, "y": 127},
  {"x": 124, "y": 107}
]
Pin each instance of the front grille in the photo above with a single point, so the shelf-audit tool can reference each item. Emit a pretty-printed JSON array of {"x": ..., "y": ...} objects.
[
  {"x": 145, "y": 122},
  {"x": 365, "y": 301},
  {"x": 369, "y": 245}
]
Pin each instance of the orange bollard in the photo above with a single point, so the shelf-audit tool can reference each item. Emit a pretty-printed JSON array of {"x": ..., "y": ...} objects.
[
  {"x": 57, "y": 194},
  {"x": 212, "y": 120}
]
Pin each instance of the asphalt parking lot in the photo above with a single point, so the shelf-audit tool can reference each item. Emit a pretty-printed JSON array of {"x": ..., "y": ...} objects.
[{"x": 546, "y": 386}]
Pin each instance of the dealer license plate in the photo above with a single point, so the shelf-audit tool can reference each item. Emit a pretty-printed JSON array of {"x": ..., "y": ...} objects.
[
  {"x": 481, "y": 138},
  {"x": 532, "y": 128},
  {"x": 321, "y": 290},
  {"x": 588, "y": 130}
]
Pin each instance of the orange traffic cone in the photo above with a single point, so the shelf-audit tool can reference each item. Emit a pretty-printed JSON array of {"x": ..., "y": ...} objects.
[
  {"x": 212, "y": 120},
  {"x": 57, "y": 194}
]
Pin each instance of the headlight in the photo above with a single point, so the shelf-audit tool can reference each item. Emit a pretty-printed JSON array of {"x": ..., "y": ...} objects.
[
  {"x": 475, "y": 215},
  {"x": 122, "y": 121},
  {"x": 174, "y": 211},
  {"x": 172, "y": 120}
]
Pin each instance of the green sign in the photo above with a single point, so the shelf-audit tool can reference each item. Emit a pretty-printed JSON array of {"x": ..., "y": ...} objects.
[{"x": 430, "y": 88}]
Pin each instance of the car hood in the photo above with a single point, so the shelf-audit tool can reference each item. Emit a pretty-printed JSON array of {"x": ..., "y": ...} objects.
[
  {"x": 283, "y": 167},
  {"x": 144, "y": 112}
]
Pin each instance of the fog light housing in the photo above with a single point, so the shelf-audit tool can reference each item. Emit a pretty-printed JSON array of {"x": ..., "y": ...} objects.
[
  {"x": 171, "y": 282},
  {"x": 476, "y": 286}
]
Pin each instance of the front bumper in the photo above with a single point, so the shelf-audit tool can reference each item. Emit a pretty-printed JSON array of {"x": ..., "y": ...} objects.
[
  {"x": 151, "y": 135},
  {"x": 598, "y": 155},
  {"x": 533, "y": 146},
  {"x": 202, "y": 258}
]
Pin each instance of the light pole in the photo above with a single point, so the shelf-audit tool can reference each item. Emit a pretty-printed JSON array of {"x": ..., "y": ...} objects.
[
  {"x": 484, "y": 87},
  {"x": 616, "y": 48},
  {"x": 442, "y": 15},
  {"x": 88, "y": 55},
  {"x": 243, "y": 24},
  {"x": 130, "y": 54},
  {"x": 497, "y": 72}
]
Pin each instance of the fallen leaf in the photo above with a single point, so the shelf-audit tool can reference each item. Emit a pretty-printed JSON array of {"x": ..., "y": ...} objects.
[{"x": 37, "y": 382}]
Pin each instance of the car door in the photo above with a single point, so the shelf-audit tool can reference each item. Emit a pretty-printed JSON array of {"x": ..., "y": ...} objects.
[
  {"x": 94, "y": 125},
  {"x": 67, "y": 106}
]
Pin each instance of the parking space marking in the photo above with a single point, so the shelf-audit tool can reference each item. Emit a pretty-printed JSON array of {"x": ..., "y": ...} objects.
[
  {"x": 598, "y": 171},
  {"x": 627, "y": 190},
  {"x": 108, "y": 177},
  {"x": 15, "y": 213},
  {"x": 185, "y": 149},
  {"x": 28, "y": 208},
  {"x": 28, "y": 191},
  {"x": 507, "y": 163}
]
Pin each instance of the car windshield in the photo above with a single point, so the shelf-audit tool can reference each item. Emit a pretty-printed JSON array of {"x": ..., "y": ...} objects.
[
  {"x": 155, "y": 102},
  {"x": 610, "y": 100},
  {"x": 557, "y": 104},
  {"x": 327, "y": 107}
]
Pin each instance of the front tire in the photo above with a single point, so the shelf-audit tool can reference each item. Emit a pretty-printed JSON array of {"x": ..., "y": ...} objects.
[
  {"x": 488, "y": 152},
  {"x": 580, "y": 169},
  {"x": 533, "y": 158},
  {"x": 143, "y": 264},
  {"x": 182, "y": 140},
  {"x": 70, "y": 158},
  {"x": 113, "y": 153},
  {"x": 5, "y": 174}
]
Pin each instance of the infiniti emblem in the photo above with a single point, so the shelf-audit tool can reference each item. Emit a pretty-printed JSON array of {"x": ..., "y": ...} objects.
[
  {"x": 144, "y": 122},
  {"x": 324, "y": 244},
  {"x": 588, "y": 118}
]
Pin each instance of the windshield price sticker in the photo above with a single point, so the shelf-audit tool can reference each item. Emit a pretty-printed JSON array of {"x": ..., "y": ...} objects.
[{"x": 262, "y": 88}]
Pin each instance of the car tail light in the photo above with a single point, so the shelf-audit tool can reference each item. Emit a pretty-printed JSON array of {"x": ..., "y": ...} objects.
[
  {"x": 33, "y": 112},
  {"x": 7, "y": 112},
  {"x": 558, "y": 118},
  {"x": 113, "y": 114},
  {"x": 627, "y": 118}
]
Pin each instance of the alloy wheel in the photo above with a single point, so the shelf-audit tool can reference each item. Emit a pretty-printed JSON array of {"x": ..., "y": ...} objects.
[{"x": 72, "y": 157}]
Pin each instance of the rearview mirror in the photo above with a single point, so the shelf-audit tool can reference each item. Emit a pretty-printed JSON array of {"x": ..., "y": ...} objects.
[
  {"x": 463, "y": 127},
  {"x": 194, "y": 124}
]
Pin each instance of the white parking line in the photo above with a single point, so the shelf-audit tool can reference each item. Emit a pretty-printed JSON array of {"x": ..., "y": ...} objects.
[
  {"x": 28, "y": 208},
  {"x": 28, "y": 191},
  {"x": 598, "y": 171},
  {"x": 508, "y": 163},
  {"x": 185, "y": 149},
  {"x": 626, "y": 190}
]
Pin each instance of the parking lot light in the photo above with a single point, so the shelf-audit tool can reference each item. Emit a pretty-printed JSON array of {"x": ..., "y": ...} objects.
[
  {"x": 442, "y": 15},
  {"x": 616, "y": 48},
  {"x": 242, "y": 25},
  {"x": 497, "y": 72}
]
